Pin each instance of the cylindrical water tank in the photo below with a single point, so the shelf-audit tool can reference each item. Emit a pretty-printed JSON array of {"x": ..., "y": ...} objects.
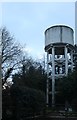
[{"x": 59, "y": 34}]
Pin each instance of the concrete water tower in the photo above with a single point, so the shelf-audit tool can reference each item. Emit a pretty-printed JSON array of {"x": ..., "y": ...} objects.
[{"x": 59, "y": 45}]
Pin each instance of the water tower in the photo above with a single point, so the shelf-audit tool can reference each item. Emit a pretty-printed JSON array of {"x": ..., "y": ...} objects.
[{"x": 59, "y": 45}]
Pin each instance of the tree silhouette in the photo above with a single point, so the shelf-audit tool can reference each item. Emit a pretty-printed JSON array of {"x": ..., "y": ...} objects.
[{"x": 11, "y": 53}]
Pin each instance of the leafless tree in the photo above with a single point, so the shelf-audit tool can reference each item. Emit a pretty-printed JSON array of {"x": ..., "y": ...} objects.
[{"x": 11, "y": 54}]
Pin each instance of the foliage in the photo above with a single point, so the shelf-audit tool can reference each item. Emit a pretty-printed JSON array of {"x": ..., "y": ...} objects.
[
  {"x": 26, "y": 97},
  {"x": 22, "y": 102},
  {"x": 29, "y": 89},
  {"x": 28, "y": 101},
  {"x": 31, "y": 75},
  {"x": 67, "y": 87}
]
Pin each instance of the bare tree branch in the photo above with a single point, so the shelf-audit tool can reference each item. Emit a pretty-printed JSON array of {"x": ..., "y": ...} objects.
[{"x": 11, "y": 54}]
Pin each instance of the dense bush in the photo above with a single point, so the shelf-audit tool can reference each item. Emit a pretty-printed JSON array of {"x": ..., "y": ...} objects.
[{"x": 27, "y": 101}]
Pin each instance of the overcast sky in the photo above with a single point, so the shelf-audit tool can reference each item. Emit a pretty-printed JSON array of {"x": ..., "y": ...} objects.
[{"x": 28, "y": 21}]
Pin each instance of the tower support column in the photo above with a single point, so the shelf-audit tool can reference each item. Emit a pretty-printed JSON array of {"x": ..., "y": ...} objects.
[
  {"x": 53, "y": 78},
  {"x": 47, "y": 82},
  {"x": 66, "y": 60}
]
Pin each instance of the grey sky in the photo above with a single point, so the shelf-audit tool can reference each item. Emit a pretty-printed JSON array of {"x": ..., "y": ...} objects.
[{"x": 28, "y": 21}]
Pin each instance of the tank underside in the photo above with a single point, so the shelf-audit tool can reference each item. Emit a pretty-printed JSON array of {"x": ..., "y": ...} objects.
[{"x": 59, "y": 48}]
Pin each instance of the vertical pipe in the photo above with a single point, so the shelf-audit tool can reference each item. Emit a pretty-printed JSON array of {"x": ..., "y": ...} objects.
[
  {"x": 47, "y": 84},
  {"x": 66, "y": 61},
  {"x": 71, "y": 60},
  {"x": 53, "y": 78}
]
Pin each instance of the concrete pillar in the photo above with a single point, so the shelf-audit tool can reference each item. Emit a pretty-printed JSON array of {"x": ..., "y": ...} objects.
[
  {"x": 47, "y": 87},
  {"x": 53, "y": 77},
  {"x": 66, "y": 60}
]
